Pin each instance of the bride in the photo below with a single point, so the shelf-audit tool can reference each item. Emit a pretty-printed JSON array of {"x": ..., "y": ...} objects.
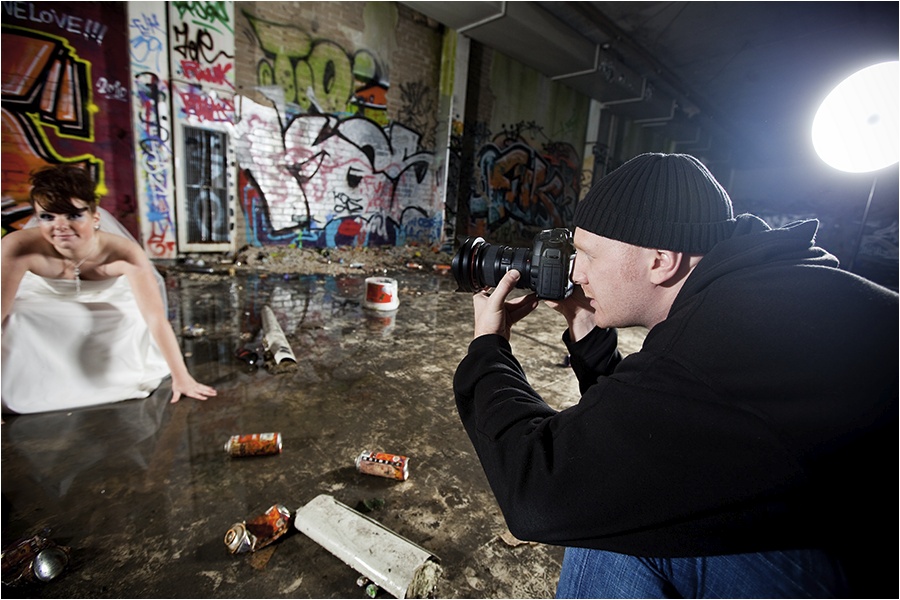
[{"x": 84, "y": 314}]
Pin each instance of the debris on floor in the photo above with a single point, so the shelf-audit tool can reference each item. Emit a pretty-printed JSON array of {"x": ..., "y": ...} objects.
[
  {"x": 275, "y": 341},
  {"x": 383, "y": 464},
  {"x": 258, "y": 532},
  {"x": 34, "y": 559},
  {"x": 254, "y": 444},
  {"x": 370, "y": 504},
  {"x": 391, "y": 562},
  {"x": 510, "y": 540}
]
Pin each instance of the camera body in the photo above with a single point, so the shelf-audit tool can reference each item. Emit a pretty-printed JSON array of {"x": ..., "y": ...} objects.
[{"x": 546, "y": 267}]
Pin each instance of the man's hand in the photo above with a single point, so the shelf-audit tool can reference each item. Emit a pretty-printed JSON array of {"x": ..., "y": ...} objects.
[
  {"x": 493, "y": 314},
  {"x": 578, "y": 312}
]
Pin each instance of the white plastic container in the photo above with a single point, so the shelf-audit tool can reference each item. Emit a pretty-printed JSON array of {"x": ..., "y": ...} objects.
[{"x": 381, "y": 293}]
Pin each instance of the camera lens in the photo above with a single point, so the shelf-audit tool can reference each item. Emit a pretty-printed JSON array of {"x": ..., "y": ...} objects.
[
  {"x": 479, "y": 265},
  {"x": 497, "y": 260},
  {"x": 546, "y": 268},
  {"x": 463, "y": 264}
]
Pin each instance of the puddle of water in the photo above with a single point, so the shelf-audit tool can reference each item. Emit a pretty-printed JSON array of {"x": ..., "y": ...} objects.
[{"x": 144, "y": 492}]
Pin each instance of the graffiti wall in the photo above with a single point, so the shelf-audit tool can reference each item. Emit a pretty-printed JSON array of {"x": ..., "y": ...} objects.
[
  {"x": 331, "y": 152},
  {"x": 66, "y": 98},
  {"x": 201, "y": 55},
  {"x": 527, "y": 168},
  {"x": 151, "y": 102}
]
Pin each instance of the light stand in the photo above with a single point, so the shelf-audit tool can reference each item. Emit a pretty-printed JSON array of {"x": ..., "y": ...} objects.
[{"x": 856, "y": 128}]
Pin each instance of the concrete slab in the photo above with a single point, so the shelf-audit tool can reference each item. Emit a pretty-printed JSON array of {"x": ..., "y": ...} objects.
[{"x": 143, "y": 491}]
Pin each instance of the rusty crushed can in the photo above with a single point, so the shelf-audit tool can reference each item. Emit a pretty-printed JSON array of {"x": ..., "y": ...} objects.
[
  {"x": 254, "y": 444},
  {"x": 258, "y": 532},
  {"x": 37, "y": 558},
  {"x": 383, "y": 464}
]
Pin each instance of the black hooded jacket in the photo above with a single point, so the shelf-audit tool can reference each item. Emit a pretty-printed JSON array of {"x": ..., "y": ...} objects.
[{"x": 761, "y": 414}]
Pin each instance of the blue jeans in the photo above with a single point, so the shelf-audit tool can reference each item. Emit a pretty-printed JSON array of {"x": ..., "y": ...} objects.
[{"x": 781, "y": 574}]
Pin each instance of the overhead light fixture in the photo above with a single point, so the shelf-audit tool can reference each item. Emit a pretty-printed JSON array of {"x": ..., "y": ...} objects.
[{"x": 856, "y": 128}]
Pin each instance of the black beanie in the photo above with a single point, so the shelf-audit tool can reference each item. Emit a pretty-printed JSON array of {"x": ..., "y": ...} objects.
[{"x": 665, "y": 201}]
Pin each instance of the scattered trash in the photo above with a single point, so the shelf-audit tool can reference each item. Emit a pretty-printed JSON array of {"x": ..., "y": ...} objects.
[
  {"x": 258, "y": 532},
  {"x": 367, "y": 506},
  {"x": 388, "y": 560},
  {"x": 274, "y": 339},
  {"x": 381, "y": 293},
  {"x": 413, "y": 265},
  {"x": 510, "y": 540},
  {"x": 382, "y": 464},
  {"x": 33, "y": 559},
  {"x": 442, "y": 269},
  {"x": 246, "y": 355},
  {"x": 372, "y": 589},
  {"x": 259, "y": 560},
  {"x": 193, "y": 331},
  {"x": 254, "y": 444},
  {"x": 356, "y": 265},
  {"x": 192, "y": 265}
]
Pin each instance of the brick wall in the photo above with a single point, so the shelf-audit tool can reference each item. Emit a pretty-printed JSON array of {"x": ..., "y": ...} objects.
[{"x": 336, "y": 124}]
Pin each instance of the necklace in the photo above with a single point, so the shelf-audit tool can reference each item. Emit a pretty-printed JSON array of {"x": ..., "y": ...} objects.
[{"x": 76, "y": 267}]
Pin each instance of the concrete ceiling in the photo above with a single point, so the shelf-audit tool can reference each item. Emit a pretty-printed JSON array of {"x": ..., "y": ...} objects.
[{"x": 738, "y": 81}]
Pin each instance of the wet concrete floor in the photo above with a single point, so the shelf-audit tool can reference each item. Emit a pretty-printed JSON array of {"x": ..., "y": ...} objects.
[{"x": 143, "y": 492}]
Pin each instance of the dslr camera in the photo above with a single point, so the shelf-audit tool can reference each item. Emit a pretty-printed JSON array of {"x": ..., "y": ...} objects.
[{"x": 546, "y": 267}]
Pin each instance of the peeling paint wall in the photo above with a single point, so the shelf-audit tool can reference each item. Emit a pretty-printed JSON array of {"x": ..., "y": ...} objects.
[{"x": 66, "y": 98}]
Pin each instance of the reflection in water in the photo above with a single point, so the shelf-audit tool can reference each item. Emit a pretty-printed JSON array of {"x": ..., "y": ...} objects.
[
  {"x": 58, "y": 446},
  {"x": 147, "y": 482},
  {"x": 229, "y": 312}
]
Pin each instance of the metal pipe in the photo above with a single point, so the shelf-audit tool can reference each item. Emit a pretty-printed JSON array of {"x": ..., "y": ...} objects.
[{"x": 862, "y": 226}]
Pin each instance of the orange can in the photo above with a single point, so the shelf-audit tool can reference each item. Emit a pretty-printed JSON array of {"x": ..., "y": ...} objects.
[
  {"x": 383, "y": 464},
  {"x": 254, "y": 444}
]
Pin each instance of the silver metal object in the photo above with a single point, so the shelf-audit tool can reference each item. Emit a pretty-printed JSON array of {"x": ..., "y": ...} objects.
[{"x": 49, "y": 563}]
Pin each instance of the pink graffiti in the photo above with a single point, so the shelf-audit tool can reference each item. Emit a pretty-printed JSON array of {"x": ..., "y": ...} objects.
[
  {"x": 322, "y": 168},
  {"x": 206, "y": 107},
  {"x": 216, "y": 74}
]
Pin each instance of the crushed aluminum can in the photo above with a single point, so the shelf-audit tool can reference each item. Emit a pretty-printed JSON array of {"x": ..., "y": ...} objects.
[
  {"x": 33, "y": 559},
  {"x": 193, "y": 331},
  {"x": 258, "y": 532},
  {"x": 246, "y": 355},
  {"x": 383, "y": 464},
  {"x": 237, "y": 539},
  {"x": 254, "y": 444}
]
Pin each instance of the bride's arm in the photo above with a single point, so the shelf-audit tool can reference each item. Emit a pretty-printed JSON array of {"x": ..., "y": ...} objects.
[
  {"x": 12, "y": 269},
  {"x": 141, "y": 276}
]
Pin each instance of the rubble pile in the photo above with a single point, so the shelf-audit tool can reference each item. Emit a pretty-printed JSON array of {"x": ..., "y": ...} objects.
[{"x": 339, "y": 260}]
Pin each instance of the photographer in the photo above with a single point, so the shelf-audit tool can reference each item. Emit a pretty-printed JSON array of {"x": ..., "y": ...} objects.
[{"x": 737, "y": 454}]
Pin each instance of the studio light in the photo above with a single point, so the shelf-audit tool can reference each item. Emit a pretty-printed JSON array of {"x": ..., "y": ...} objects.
[{"x": 856, "y": 128}]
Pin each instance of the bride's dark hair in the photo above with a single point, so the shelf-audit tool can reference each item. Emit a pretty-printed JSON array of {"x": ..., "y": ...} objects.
[{"x": 55, "y": 186}]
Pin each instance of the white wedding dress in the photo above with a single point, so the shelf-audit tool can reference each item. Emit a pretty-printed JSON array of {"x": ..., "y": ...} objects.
[{"x": 63, "y": 349}]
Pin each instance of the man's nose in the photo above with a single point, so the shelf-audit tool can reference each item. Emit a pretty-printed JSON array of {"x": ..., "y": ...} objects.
[{"x": 577, "y": 274}]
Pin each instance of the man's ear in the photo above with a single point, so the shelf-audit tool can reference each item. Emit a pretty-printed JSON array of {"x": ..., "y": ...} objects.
[{"x": 667, "y": 266}]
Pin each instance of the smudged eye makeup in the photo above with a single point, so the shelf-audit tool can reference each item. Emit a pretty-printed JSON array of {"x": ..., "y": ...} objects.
[{"x": 49, "y": 217}]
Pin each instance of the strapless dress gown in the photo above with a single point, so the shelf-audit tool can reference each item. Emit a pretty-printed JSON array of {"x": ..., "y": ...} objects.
[{"x": 64, "y": 349}]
